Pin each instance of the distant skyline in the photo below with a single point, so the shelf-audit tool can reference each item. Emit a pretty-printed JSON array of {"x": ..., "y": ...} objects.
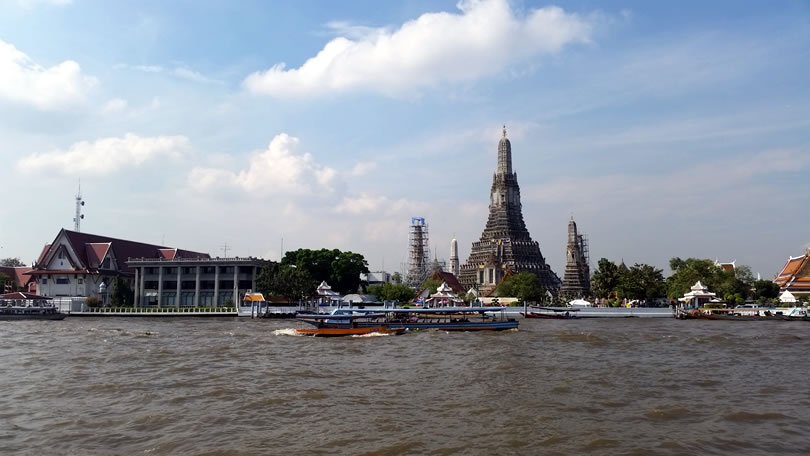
[{"x": 664, "y": 129}]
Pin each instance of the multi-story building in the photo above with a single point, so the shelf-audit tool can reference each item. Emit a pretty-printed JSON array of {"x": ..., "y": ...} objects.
[
  {"x": 75, "y": 264},
  {"x": 193, "y": 282}
]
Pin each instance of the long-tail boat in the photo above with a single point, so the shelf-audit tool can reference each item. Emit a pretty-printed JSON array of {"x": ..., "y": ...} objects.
[
  {"x": 445, "y": 318},
  {"x": 549, "y": 313},
  {"x": 345, "y": 325}
]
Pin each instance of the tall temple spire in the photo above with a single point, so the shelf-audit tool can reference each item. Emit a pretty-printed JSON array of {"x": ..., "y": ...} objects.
[
  {"x": 576, "y": 280},
  {"x": 504, "y": 155},
  {"x": 505, "y": 245}
]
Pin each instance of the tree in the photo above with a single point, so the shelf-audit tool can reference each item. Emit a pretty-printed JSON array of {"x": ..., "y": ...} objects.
[
  {"x": 12, "y": 262},
  {"x": 4, "y": 279},
  {"x": 642, "y": 282},
  {"x": 121, "y": 294},
  {"x": 396, "y": 277},
  {"x": 524, "y": 286},
  {"x": 288, "y": 280},
  {"x": 392, "y": 292},
  {"x": 605, "y": 279},
  {"x": 431, "y": 285},
  {"x": 732, "y": 284},
  {"x": 765, "y": 289},
  {"x": 340, "y": 269}
]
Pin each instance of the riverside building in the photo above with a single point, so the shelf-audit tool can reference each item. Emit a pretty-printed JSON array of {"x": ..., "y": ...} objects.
[
  {"x": 193, "y": 282},
  {"x": 505, "y": 245},
  {"x": 75, "y": 264}
]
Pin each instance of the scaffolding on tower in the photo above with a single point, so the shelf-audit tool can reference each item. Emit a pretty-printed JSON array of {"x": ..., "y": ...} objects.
[{"x": 418, "y": 252}]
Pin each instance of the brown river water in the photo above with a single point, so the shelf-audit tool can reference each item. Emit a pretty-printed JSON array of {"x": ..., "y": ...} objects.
[{"x": 228, "y": 386}]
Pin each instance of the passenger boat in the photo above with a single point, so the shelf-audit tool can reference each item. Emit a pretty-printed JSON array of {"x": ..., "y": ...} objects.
[
  {"x": 549, "y": 313},
  {"x": 447, "y": 319},
  {"x": 345, "y": 325},
  {"x": 31, "y": 313}
]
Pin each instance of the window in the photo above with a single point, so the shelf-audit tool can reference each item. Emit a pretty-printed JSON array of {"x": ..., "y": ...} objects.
[
  {"x": 43, "y": 281},
  {"x": 208, "y": 269},
  {"x": 171, "y": 271},
  {"x": 481, "y": 277},
  {"x": 245, "y": 269},
  {"x": 188, "y": 270},
  {"x": 62, "y": 281},
  {"x": 81, "y": 281},
  {"x": 491, "y": 276},
  {"x": 226, "y": 270}
]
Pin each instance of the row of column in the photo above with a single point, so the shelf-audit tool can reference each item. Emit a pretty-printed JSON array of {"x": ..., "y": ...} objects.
[{"x": 139, "y": 285}]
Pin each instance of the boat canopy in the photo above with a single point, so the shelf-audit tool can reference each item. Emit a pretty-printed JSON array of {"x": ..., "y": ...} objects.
[
  {"x": 254, "y": 297},
  {"x": 441, "y": 310}
]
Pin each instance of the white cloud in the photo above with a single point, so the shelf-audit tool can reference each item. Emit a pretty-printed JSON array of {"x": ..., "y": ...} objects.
[
  {"x": 277, "y": 169},
  {"x": 55, "y": 88},
  {"x": 182, "y": 72},
  {"x": 362, "y": 168},
  {"x": 191, "y": 75},
  {"x": 105, "y": 155},
  {"x": 114, "y": 105},
  {"x": 486, "y": 37}
]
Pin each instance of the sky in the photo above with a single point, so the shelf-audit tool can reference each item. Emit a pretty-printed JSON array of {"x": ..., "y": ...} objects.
[{"x": 664, "y": 128}]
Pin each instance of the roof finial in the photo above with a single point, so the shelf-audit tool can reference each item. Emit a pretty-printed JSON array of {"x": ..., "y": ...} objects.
[{"x": 504, "y": 132}]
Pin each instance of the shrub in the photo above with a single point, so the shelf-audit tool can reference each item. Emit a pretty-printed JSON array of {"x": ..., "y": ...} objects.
[{"x": 93, "y": 301}]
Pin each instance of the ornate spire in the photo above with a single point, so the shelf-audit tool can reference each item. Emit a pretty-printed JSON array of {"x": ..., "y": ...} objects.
[{"x": 504, "y": 155}]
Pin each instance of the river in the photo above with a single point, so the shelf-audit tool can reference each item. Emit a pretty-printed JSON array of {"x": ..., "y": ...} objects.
[{"x": 228, "y": 386}]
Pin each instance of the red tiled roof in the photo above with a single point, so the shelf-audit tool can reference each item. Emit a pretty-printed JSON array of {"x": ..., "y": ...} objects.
[
  {"x": 18, "y": 274},
  {"x": 96, "y": 253},
  {"x": 795, "y": 274},
  {"x": 22, "y": 295},
  {"x": 168, "y": 254},
  {"x": 42, "y": 254},
  {"x": 451, "y": 280},
  {"x": 122, "y": 249}
]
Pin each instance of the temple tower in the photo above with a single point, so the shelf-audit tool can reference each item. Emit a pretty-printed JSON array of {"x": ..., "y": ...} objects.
[
  {"x": 454, "y": 266},
  {"x": 505, "y": 244},
  {"x": 418, "y": 252},
  {"x": 577, "y": 278}
]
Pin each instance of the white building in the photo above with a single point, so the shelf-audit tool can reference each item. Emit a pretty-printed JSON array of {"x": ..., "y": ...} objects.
[{"x": 75, "y": 264}]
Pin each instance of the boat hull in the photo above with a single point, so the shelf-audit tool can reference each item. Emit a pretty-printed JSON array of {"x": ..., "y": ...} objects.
[
  {"x": 49, "y": 316},
  {"x": 340, "y": 332}
]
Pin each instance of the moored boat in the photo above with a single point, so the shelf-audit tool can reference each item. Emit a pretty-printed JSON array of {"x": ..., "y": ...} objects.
[
  {"x": 549, "y": 313},
  {"x": 31, "y": 313}
]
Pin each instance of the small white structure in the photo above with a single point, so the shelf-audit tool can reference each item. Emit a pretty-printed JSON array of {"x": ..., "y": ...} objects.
[
  {"x": 327, "y": 296},
  {"x": 698, "y": 297},
  {"x": 580, "y": 303},
  {"x": 787, "y": 297},
  {"x": 444, "y": 296}
]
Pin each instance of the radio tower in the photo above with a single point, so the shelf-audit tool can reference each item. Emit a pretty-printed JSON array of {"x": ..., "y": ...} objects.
[
  {"x": 419, "y": 252},
  {"x": 77, "y": 220}
]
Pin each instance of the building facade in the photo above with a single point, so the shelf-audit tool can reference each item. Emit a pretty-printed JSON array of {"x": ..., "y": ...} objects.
[
  {"x": 577, "y": 278},
  {"x": 505, "y": 244},
  {"x": 193, "y": 282},
  {"x": 75, "y": 264}
]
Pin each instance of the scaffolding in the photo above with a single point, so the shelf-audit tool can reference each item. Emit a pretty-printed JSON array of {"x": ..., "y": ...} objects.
[
  {"x": 583, "y": 242},
  {"x": 418, "y": 252}
]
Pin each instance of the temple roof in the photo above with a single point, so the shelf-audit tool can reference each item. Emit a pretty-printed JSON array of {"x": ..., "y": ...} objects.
[{"x": 796, "y": 272}]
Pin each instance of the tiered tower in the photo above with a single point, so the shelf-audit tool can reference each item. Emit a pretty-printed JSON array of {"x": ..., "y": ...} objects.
[
  {"x": 418, "y": 252},
  {"x": 577, "y": 278},
  {"x": 505, "y": 244}
]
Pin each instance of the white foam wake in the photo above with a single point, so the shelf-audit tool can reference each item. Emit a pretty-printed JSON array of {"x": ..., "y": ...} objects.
[{"x": 286, "y": 332}]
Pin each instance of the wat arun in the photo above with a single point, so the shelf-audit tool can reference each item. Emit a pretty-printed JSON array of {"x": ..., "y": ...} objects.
[{"x": 506, "y": 247}]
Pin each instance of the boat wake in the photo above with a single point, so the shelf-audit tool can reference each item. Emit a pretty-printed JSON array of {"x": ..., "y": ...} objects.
[
  {"x": 372, "y": 334},
  {"x": 286, "y": 332}
]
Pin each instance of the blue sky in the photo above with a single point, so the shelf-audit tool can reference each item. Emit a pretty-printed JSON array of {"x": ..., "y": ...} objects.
[{"x": 666, "y": 129}]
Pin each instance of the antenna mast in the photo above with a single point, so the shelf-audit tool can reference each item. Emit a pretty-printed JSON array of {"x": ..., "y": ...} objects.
[{"x": 77, "y": 220}]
